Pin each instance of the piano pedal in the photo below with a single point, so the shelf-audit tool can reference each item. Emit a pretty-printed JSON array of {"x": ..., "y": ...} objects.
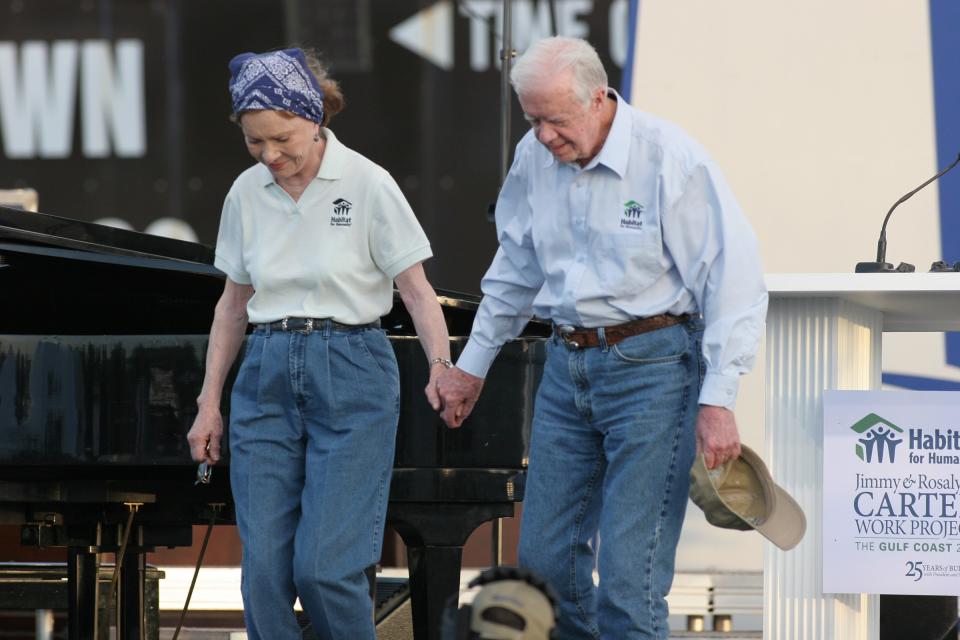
[
  {"x": 391, "y": 611},
  {"x": 392, "y": 603}
]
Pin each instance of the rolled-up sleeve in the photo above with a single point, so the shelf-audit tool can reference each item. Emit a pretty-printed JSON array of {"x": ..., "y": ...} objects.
[
  {"x": 716, "y": 254},
  {"x": 513, "y": 279}
]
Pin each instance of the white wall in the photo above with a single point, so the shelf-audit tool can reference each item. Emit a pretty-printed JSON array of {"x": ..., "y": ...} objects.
[{"x": 821, "y": 115}]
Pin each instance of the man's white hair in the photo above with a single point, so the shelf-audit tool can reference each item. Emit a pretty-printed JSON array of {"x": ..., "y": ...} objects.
[{"x": 546, "y": 58}]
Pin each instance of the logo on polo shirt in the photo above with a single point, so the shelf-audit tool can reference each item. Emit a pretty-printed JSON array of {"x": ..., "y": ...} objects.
[
  {"x": 341, "y": 213},
  {"x": 631, "y": 218}
]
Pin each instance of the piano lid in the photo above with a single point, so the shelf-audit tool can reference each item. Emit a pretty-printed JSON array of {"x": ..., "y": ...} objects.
[
  {"x": 64, "y": 238},
  {"x": 53, "y": 231}
]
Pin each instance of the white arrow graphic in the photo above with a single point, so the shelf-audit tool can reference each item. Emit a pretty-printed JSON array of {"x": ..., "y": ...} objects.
[{"x": 429, "y": 34}]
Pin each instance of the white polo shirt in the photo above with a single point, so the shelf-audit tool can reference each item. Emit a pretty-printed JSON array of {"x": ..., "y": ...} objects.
[{"x": 334, "y": 254}]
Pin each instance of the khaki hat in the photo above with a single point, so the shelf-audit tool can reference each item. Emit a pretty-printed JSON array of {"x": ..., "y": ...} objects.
[
  {"x": 741, "y": 494},
  {"x": 511, "y": 610}
]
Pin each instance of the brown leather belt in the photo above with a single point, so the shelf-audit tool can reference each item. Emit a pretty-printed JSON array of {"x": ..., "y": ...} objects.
[{"x": 581, "y": 338}]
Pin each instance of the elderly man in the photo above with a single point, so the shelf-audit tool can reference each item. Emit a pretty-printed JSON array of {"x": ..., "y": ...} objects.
[{"x": 619, "y": 228}]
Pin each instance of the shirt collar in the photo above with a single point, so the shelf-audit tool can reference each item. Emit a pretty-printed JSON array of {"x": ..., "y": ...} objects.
[
  {"x": 616, "y": 148},
  {"x": 334, "y": 158},
  {"x": 266, "y": 178},
  {"x": 331, "y": 166}
]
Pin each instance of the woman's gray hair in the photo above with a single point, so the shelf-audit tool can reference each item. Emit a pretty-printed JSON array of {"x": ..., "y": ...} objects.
[{"x": 550, "y": 56}]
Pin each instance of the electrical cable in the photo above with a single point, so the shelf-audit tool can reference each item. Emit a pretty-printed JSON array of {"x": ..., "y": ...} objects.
[
  {"x": 196, "y": 571},
  {"x": 118, "y": 563}
]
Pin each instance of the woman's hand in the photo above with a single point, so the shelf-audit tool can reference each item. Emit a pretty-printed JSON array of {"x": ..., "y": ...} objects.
[
  {"x": 204, "y": 436},
  {"x": 436, "y": 370}
]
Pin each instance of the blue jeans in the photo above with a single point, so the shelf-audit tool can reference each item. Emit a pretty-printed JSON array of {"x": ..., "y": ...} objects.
[
  {"x": 612, "y": 446},
  {"x": 312, "y": 429}
]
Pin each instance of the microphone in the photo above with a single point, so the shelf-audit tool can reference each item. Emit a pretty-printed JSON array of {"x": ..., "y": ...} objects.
[{"x": 881, "y": 265}]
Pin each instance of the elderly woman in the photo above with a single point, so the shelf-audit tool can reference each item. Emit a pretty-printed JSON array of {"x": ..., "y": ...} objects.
[{"x": 312, "y": 237}]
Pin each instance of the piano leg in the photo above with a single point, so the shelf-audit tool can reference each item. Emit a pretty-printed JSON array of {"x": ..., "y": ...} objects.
[
  {"x": 130, "y": 597},
  {"x": 82, "y": 594},
  {"x": 435, "y": 534},
  {"x": 434, "y": 578}
]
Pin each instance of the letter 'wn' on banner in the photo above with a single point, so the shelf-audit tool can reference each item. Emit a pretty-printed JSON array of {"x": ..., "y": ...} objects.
[{"x": 891, "y": 490}]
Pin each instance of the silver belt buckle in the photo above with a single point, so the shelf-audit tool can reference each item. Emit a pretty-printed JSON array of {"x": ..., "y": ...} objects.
[
  {"x": 307, "y": 327},
  {"x": 306, "y": 330},
  {"x": 564, "y": 331}
]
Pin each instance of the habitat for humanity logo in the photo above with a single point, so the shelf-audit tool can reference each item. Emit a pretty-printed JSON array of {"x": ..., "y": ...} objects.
[
  {"x": 878, "y": 438},
  {"x": 341, "y": 213},
  {"x": 631, "y": 215}
]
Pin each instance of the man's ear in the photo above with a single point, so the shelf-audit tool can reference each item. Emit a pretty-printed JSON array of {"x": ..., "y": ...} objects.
[{"x": 598, "y": 98}]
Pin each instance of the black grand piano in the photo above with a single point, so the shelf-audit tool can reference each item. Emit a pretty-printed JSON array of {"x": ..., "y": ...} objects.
[{"x": 102, "y": 341}]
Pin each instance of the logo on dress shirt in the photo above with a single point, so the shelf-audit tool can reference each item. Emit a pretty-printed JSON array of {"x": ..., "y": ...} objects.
[
  {"x": 631, "y": 218},
  {"x": 341, "y": 213}
]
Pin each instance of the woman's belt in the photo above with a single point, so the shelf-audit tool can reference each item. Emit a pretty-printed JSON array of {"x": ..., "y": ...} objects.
[{"x": 309, "y": 325}]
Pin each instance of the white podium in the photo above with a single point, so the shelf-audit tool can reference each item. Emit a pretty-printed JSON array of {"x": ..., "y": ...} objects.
[{"x": 824, "y": 332}]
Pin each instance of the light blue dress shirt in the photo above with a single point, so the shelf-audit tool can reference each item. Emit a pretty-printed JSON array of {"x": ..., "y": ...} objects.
[{"x": 649, "y": 226}]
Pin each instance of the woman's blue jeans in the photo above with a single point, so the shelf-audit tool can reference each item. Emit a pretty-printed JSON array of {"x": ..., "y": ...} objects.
[
  {"x": 312, "y": 429},
  {"x": 613, "y": 442}
]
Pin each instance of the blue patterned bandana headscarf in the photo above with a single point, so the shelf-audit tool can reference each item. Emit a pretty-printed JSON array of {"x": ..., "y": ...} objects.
[{"x": 279, "y": 80}]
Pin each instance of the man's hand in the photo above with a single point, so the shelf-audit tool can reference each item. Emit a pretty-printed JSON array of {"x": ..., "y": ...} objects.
[
  {"x": 204, "y": 436},
  {"x": 458, "y": 392},
  {"x": 717, "y": 436}
]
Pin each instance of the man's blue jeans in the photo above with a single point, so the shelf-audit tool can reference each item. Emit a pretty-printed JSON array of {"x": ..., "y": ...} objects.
[
  {"x": 613, "y": 442},
  {"x": 312, "y": 430}
]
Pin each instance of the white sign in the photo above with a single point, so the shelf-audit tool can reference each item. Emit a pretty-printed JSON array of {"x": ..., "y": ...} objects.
[
  {"x": 38, "y": 98},
  {"x": 891, "y": 480},
  {"x": 429, "y": 33}
]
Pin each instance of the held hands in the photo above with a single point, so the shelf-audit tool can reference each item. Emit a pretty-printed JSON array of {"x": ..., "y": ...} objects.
[
  {"x": 204, "y": 436},
  {"x": 717, "y": 436},
  {"x": 456, "y": 392}
]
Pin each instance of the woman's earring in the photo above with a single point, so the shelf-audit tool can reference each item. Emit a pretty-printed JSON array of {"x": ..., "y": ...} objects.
[{"x": 316, "y": 137}]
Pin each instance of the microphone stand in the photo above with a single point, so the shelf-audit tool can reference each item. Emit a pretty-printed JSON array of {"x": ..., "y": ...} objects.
[{"x": 881, "y": 265}]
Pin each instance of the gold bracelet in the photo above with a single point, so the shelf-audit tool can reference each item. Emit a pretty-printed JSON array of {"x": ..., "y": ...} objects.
[{"x": 444, "y": 361}]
